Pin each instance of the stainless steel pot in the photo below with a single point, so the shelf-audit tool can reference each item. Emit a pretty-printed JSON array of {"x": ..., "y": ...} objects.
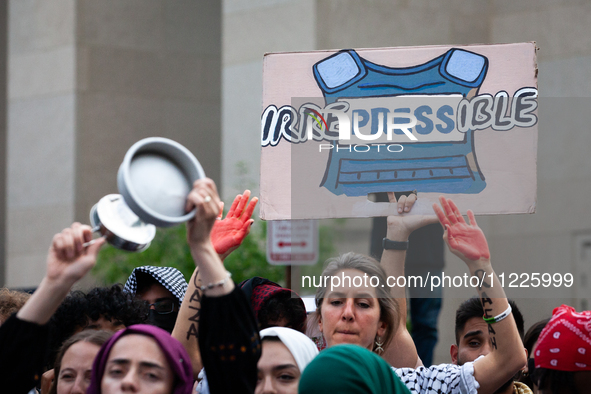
[
  {"x": 155, "y": 179},
  {"x": 113, "y": 219}
]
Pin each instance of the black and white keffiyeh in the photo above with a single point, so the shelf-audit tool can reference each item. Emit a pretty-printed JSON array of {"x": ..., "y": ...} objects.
[
  {"x": 440, "y": 379},
  {"x": 171, "y": 278}
]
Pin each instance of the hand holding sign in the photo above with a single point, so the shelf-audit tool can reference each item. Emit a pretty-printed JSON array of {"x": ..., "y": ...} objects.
[
  {"x": 227, "y": 234},
  {"x": 465, "y": 240},
  {"x": 402, "y": 225}
]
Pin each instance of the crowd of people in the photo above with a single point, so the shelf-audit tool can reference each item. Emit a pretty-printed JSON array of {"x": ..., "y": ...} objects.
[{"x": 159, "y": 333}]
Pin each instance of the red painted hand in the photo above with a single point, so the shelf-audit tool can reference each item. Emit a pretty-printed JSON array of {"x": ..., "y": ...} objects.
[
  {"x": 465, "y": 240},
  {"x": 227, "y": 234}
]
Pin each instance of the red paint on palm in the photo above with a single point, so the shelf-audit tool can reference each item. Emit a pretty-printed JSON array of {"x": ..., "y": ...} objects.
[
  {"x": 228, "y": 233},
  {"x": 464, "y": 239}
]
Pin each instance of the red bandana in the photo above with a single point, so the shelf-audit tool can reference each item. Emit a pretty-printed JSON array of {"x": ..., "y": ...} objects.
[
  {"x": 565, "y": 342},
  {"x": 262, "y": 293}
]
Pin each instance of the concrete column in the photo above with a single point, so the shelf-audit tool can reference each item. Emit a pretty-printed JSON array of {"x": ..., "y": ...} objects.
[
  {"x": 86, "y": 80},
  {"x": 144, "y": 69},
  {"x": 40, "y": 132},
  {"x": 3, "y": 56}
]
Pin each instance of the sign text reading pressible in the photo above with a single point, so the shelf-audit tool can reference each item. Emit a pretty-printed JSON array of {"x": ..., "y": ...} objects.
[{"x": 394, "y": 118}]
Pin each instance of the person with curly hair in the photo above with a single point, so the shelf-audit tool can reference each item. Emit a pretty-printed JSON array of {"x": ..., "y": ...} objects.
[
  {"x": 101, "y": 308},
  {"x": 10, "y": 302},
  {"x": 24, "y": 336}
]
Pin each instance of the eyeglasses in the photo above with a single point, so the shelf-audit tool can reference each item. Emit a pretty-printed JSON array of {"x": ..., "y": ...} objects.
[{"x": 163, "y": 307}]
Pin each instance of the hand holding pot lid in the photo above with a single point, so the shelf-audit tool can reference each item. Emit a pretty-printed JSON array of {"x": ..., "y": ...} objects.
[
  {"x": 154, "y": 180},
  {"x": 68, "y": 260},
  {"x": 204, "y": 197}
]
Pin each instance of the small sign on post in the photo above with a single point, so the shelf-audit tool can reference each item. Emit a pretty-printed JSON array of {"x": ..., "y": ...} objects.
[{"x": 292, "y": 242}]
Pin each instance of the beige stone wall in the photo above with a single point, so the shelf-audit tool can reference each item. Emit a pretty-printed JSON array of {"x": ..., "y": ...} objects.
[
  {"x": 3, "y": 106},
  {"x": 40, "y": 132},
  {"x": 250, "y": 29},
  {"x": 87, "y": 79},
  {"x": 144, "y": 68}
]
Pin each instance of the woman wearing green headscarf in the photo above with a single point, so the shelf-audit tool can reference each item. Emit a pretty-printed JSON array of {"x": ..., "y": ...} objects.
[{"x": 350, "y": 369}]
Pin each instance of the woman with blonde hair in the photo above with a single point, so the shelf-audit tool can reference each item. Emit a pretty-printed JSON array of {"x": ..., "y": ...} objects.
[
  {"x": 388, "y": 307},
  {"x": 355, "y": 310}
]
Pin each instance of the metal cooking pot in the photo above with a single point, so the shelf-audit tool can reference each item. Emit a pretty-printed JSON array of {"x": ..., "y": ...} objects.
[
  {"x": 113, "y": 219},
  {"x": 155, "y": 178}
]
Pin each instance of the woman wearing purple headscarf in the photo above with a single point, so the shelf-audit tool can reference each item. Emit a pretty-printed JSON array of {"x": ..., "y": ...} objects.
[{"x": 143, "y": 359}]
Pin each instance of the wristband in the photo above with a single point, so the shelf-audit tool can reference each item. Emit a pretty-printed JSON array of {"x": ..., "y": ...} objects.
[
  {"x": 388, "y": 244},
  {"x": 217, "y": 284},
  {"x": 498, "y": 318}
]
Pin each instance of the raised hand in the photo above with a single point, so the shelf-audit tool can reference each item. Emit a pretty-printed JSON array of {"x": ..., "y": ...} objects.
[
  {"x": 227, "y": 234},
  {"x": 204, "y": 197},
  {"x": 68, "y": 260},
  {"x": 465, "y": 240},
  {"x": 401, "y": 225}
]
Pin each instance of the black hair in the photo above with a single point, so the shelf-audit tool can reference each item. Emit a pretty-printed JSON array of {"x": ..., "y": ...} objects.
[
  {"x": 532, "y": 335},
  {"x": 529, "y": 340},
  {"x": 144, "y": 282},
  {"x": 283, "y": 306},
  {"x": 271, "y": 338},
  {"x": 473, "y": 308},
  {"x": 71, "y": 314},
  {"x": 555, "y": 381},
  {"x": 114, "y": 304},
  {"x": 79, "y": 308}
]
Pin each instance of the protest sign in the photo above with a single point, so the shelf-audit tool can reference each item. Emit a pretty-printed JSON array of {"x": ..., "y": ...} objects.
[{"x": 457, "y": 121}]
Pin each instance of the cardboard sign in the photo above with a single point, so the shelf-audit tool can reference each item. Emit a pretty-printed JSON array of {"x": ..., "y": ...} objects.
[
  {"x": 292, "y": 242},
  {"x": 457, "y": 121}
]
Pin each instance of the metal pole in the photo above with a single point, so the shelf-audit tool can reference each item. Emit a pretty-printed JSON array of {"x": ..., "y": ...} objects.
[{"x": 288, "y": 276}]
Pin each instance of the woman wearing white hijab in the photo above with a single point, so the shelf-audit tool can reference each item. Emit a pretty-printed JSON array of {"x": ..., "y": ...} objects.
[{"x": 286, "y": 353}]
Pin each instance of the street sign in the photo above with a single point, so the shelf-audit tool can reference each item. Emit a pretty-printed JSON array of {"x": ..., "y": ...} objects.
[{"x": 292, "y": 242}]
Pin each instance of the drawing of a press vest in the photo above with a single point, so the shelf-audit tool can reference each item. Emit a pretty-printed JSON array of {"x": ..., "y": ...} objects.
[{"x": 440, "y": 166}]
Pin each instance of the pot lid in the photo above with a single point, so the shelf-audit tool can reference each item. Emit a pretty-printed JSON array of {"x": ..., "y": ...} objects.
[{"x": 112, "y": 212}]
